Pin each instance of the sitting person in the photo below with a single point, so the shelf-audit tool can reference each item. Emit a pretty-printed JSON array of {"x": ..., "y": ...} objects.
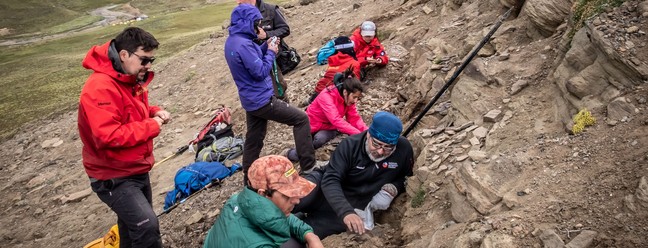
[
  {"x": 343, "y": 59},
  {"x": 259, "y": 215},
  {"x": 366, "y": 171},
  {"x": 368, "y": 49},
  {"x": 328, "y": 112}
]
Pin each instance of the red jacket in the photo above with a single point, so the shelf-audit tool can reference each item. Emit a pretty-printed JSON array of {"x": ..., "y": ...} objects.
[
  {"x": 327, "y": 112},
  {"x": 114, "y": 120},
  {"x": 338, "y": 62},
  {"x": 364, "y": 50}
]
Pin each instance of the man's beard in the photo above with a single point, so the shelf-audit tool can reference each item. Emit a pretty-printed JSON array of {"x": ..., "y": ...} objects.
[{"x": 374, "y": 158}]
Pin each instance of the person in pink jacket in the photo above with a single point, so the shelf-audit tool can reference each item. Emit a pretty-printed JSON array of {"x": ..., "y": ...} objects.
[{"x": 334, "y": 111}]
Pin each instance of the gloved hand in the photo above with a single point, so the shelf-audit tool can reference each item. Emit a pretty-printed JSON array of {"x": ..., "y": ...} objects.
[{"x": 382, "y": 200}]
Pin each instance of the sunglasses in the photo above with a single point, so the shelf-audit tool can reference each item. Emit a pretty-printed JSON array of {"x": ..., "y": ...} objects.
[
  {"x": 145, "y": 60},
  {"x": 385, "y": 147}
]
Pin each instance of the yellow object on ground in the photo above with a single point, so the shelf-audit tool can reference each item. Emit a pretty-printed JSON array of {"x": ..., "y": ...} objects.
[
  {"x": 581, "y": 120},
  {"x": 110, "y": 240}
]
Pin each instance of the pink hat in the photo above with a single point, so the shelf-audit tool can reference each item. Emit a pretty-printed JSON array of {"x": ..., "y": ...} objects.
[{"x": 277, "y": 172}]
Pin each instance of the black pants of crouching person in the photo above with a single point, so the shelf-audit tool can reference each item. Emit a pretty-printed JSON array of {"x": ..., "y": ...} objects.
[{"x": 282, "y": 112}]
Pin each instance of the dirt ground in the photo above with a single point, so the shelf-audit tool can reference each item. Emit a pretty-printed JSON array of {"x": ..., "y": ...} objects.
[{"x": 548, "y": 178}]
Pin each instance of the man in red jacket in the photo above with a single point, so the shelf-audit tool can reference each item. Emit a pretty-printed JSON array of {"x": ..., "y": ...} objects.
[
  {"x": 117, "y": 126},
  {"x": 367, "y": 47}
]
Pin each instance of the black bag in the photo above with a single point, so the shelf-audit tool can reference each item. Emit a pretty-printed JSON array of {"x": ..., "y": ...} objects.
[
  {"x": 288, "y": 58},
  {"x": 215, "y": 132}
]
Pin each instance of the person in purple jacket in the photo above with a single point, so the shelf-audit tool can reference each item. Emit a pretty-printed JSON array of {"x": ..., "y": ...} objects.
[{"x": 250, "y": 65}]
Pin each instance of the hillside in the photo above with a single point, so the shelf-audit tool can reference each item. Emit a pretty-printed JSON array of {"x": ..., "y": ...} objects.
[{"x": 517, "y": 178}]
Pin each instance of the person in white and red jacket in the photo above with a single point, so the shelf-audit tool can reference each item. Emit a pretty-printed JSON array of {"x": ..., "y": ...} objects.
[
  {"x": 117, "y": 126},
  {"x": 368, "y": 49},
  {"x": 334, "y": 111}
]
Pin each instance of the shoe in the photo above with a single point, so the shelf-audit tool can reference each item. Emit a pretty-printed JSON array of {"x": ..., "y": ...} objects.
[
  {"x": 304, "y": 103},
  {"x": 284, "y": 153}
]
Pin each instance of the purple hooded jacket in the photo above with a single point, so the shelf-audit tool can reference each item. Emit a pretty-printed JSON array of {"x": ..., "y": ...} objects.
[{"x": 249, "y": 63}]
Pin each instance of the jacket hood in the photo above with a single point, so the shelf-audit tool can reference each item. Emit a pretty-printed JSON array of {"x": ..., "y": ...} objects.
[
  {"x": 105, "y": 59},
  {"x": 339, "y": 59},
  {"x": 242, "y": 20}
]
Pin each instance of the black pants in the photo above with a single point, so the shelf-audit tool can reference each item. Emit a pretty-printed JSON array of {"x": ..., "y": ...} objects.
[
  {"x": 319, "y": 214},
  {"x": 130, "y": 198},
  {"x": 282, "y": 112}
]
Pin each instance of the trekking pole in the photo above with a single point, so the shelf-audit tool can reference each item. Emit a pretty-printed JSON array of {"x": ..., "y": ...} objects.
[
  {"x": 178, "y": 151},
  {"x": 458, "y": 71}
]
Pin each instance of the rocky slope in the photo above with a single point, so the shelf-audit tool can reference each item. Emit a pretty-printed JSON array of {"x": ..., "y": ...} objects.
[{"x": 496, "y": 166}]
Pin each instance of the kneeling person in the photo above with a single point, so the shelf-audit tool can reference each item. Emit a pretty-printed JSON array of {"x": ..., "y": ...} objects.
[
  {"x": 259, "y": 216},
  {"x": 366, "y": 172},
  {"x": 334, "y": 111}
]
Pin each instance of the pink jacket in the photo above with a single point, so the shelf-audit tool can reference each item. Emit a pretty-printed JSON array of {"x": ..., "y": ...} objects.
[{"x": 328, "y": 112}]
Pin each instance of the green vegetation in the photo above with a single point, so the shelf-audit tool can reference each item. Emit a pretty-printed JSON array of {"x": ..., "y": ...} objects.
[
  {"x": 75, "y": 24},
  {"x": 28, "y": 16},
  {"x": 45, "y": 78},
  {"x": 585, "y": 9},
  {"x": 419, "y": 198}
]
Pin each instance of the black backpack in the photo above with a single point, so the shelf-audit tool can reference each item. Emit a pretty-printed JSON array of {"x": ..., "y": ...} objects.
[{"x": 288, "y": 58}]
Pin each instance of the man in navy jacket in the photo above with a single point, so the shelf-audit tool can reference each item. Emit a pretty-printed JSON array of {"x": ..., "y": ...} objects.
[
  {"x": 250, "y": 66},
  {"x": 366, "y": 169}
]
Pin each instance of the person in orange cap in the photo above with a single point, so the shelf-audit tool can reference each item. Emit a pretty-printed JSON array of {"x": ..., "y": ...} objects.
[{"x": 259, "y": 216}]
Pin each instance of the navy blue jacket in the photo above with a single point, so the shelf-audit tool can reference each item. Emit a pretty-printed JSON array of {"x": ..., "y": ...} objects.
[{"x": 351, "y": 179}]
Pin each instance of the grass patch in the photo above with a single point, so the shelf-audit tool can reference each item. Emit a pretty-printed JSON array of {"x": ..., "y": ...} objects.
[
  {"x": 75, "y": 24},
  {"x": 419, "y": 198},
  {"x": 585, "y": 9},
  {"x": 44, "y": 78}
]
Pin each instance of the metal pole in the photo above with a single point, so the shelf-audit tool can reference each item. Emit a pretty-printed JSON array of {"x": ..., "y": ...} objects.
[{"x": 458, "y": 71}]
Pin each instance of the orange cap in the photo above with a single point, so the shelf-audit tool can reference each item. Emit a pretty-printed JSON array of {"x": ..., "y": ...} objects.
[{"x": 277, "y": 172}]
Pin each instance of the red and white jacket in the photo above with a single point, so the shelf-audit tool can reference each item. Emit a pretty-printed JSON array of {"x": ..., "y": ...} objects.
[
  {"x": 114, "y": 120},
  {"x": 366, "y": 50},
  {"x": 328, "y": 112}
]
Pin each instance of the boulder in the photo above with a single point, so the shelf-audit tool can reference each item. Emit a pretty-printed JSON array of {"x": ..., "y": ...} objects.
[
  {"x": 592, "y": 74},
  {"x": 518, "y": 86},
  {"x": 551, "y": 240},
  {"x": 498, "y": 240},
  {"x": 642, "y": 192},
  {"x": 620, "y": 108},
  {"x": 547, "y": 15},
  {"x": 493, "y": 116},
  {"x": 460, "y": 209},
  {"x": 583, "y": 240}
]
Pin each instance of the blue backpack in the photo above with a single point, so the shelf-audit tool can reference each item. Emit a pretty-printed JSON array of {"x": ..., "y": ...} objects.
[
  {"x": 194, "y": 177},
  {"x": 326, "y": 51}
]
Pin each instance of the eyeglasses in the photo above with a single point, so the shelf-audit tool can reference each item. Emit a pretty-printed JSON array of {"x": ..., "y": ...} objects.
[
  {"x": 377, "y": 145},
  {"x": 145, "y": 60}
]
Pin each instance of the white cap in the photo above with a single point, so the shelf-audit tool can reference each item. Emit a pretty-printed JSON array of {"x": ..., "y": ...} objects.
[{"x": 368, "y": 28}]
